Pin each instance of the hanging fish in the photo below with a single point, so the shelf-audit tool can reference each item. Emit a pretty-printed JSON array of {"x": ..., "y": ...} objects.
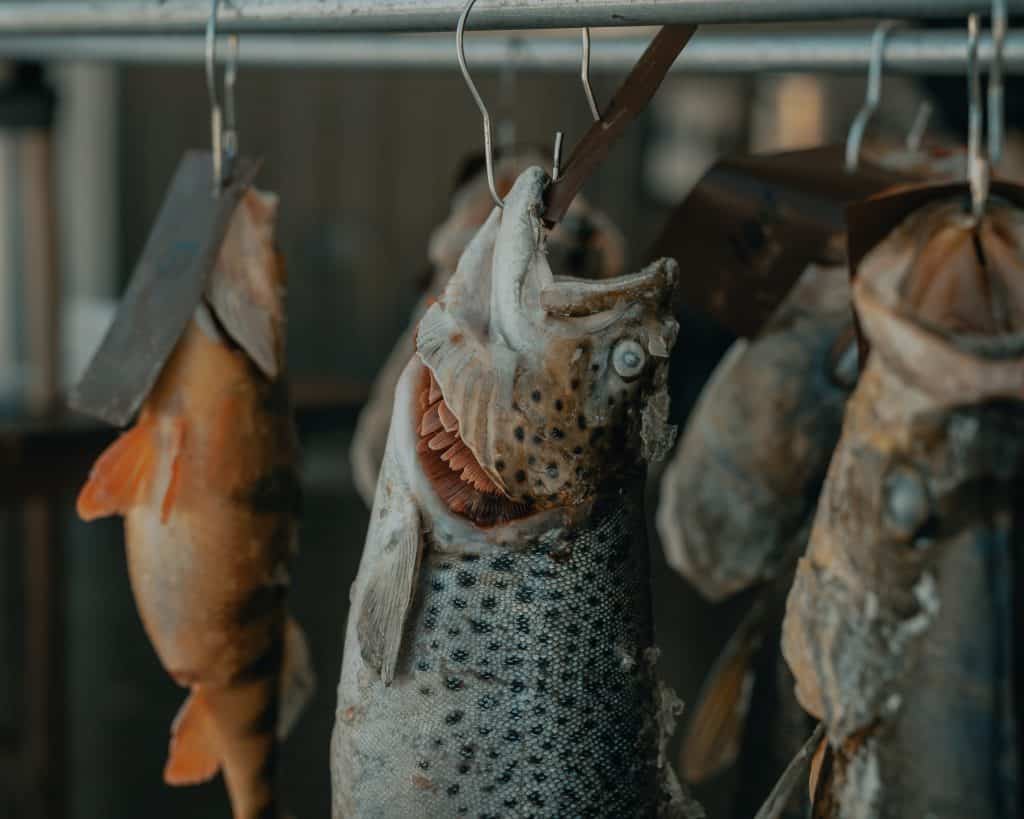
[
  {"x": 900, "y": 627},
  {"x": 738, "y": 493},
  {"x": 207, "y": 486},
  {"x": 585, "y": 243},
  {"x": 735, "y": 507},
  {"x": 499, "y": 657}
]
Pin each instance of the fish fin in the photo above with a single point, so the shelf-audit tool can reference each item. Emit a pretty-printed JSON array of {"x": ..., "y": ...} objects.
[
  {"x": 246, "y": 287},
  {"x": 817, "y": 763},
  {"x": 173, "y": 484},
  {"x": 120, "y": 475},
  {"x": 191, "y": 758},
  {"x": 298, "y": 680},
  {"x": 788, "y": 783},
  {"x": 714, "y": 735},
  {"x": 396, "y": 544}
]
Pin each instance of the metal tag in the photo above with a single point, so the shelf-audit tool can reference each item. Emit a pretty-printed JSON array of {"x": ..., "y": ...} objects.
[
  {"x": 166, "y": 286},
  {"x": 750, "y": 227}
]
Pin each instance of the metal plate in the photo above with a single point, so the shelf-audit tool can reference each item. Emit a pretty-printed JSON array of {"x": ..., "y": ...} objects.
[
  {"x": 165, "y": 289},
  {"x": 754, "y": 222}
]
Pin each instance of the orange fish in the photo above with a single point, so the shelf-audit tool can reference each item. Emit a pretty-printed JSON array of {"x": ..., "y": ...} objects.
[{"x": 207, "y": 486}]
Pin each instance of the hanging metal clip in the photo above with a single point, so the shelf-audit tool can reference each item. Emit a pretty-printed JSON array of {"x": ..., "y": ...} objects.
[
  {"x": 871, "y": 98},
  {"x": 223, "y": 130}
]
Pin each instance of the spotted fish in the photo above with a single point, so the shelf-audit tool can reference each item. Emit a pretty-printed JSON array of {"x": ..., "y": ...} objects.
[
  {"x": 499, "y": 657},
  {"x": 900, "y": 628},
  {"x": 206, "y": 484},
  {"x": 585, "y": 243}
]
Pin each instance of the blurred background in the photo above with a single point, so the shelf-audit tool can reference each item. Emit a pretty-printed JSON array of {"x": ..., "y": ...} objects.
[{"x": 364, "y": 162}]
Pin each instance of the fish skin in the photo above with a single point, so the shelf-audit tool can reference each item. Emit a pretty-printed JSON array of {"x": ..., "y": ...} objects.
[
  {"x": 507, "y": 669},
  {"x": 585, "y": 243},
  {"x": 900, "y": 625},
  {"x": 743, "y": 481},
  {"x": 207, "y": 487}
]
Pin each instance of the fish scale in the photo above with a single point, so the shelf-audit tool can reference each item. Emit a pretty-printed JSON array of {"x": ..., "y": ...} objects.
[{"x": 529, "y": 676}]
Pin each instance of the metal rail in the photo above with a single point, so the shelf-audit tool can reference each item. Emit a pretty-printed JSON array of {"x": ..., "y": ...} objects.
[
  {"x": 911, "y": 52},
  {"x": 166, "y": 16}
]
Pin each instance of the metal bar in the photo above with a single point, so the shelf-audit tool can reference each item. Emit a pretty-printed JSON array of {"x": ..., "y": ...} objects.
[
  {"x": 68, "y": 16},
  {"x": 913, "y": 52}
]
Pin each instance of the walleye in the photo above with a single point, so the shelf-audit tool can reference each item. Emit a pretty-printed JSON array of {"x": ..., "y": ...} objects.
[
  {"x": 742, "y": 484},
  {"x": 499, "y": 653},
  {"x": 900, "y": 627},
  {"x": 585, "y": 243},
  {"x": 207, "y": 486}
]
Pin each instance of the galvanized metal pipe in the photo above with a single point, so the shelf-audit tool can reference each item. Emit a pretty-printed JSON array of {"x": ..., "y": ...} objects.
[
  {"x": 911, "y": 52},
  {"x": 80, "y": 16}
]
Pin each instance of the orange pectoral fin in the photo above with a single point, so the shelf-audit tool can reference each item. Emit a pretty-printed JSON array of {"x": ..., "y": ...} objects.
[
  {"x": 121, "y": 474},
  {"x": 191, "y": 758}
]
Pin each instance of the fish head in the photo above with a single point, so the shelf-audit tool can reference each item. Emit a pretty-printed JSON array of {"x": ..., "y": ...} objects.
[
  {"x": 549, "y": 388},
  {"x": 913, "y": 537}
]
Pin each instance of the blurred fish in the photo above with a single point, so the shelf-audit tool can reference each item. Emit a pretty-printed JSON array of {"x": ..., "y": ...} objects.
[
  {"x": 900, "y": 627},
  {"x": 206, "y": 483},
  {"x": 585, "y": 243},
  {"x": 746, "y": 474},
  {"x": 499, "y": 657}
]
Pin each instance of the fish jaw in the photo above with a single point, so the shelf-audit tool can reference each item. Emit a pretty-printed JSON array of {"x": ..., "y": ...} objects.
[{"x": 558, "y": 386}]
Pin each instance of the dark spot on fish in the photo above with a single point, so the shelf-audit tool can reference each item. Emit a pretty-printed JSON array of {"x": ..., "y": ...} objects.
[
  {"x": 552, "y": 470},
  {"x": 436, "y": 585},
  {"x": 558, "y": 404},
  {"x": 581, "y": 421},
  {"x": 453, "y": 790},
  {"x": 520, "y": 433},
  {"x": 531, "y": 460},
  {"x": 454, "y": 717},
  {"x": 557, "y": 434},
  {"x": 423, "y": 665},
  {"x": 262, "y": 602},
  {"x": 574, "y": 384},
  {"x": 513, "y": 661},
  {"x": 524, "y": 594},
  {"x": 512, "y": 735},
  {"x": 460, "y": 655},
  {"x": 424, "y": 764},
  {"x": 537, "y": 440},
  {"x": 536, "y": 395},
  {"x": 536, "y": 799},
  {"x": 463, "y": 768},
  {"x": 480, "y": 627},
  {"x": 277, "y": 491},
  {"x": 488, "y": 602},
  {"x": 465, "y": 579},
  {"x": 425, "y": 691},
  {"x": 459, "y": 602},
  {"x": 521, "y": 476},
  {"x": 268, "y": 664},
  {"x": 595, "y": 367},
  {"x": 499, "y": 465},
  {"x": 596, "y": 434}
]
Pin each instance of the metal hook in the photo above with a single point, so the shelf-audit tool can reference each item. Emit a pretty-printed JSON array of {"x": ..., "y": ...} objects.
[
  {"x": 871, "y": 98},
  {"x": 223, "y": 132},
  {"x": 460, "y": 51},
  {"x": 915, "y": 136},
  {"x": 995, "y": 84},
  {"x": 977, "y": 166},
  {"x": 585, "y": 77}
]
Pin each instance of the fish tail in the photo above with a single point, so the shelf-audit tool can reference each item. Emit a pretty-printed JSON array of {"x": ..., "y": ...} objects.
[{"x": 230, "y": 728}]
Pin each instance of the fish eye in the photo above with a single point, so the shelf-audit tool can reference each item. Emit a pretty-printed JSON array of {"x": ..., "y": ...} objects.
[
  {"x": 907, "y": 507},
  {"x": 628, "y": 359}
]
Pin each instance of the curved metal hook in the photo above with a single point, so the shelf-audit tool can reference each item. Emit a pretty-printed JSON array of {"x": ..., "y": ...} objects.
[
  {"x": 915, "y": 136},
  {"x": 460, "y": 50},
  {"x": 871, "y": 98},
  {"x": 995, "y": 83},
  {"x": 977, "y": 166},
  {"x": 585, "y": 77},
  {"x": 223, "y": 133}
]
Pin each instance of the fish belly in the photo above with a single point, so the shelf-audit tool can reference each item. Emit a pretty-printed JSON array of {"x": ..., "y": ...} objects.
[{"x": 526, "y": 686}]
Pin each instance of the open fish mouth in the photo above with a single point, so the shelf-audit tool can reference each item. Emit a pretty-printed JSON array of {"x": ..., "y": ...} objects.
[{"x": 450, "y": 465}]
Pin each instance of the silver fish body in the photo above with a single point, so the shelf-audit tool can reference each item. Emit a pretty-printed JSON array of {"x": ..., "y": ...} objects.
[
  {"x": 527, "y": 687},
  {"x": 499, "y": 653}
]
